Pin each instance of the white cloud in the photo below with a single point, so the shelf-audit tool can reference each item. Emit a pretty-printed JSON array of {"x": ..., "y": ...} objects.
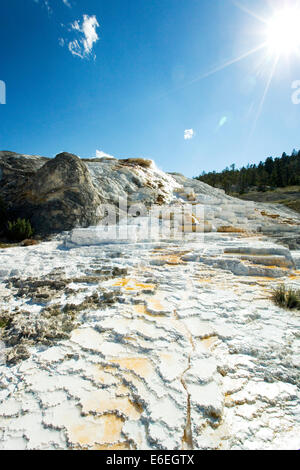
[
  {"x": 75, "y": 48},
  {"x": 189, "y": 134},
  {"x": 100, "y": 154},
  {"x": 223, "y": 121},
  {"x": 87, "y": 30},
  {"x": 46, "y": 4}
]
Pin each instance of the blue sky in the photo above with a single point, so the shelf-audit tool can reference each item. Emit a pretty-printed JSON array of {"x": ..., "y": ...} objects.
[{"x": 124, "y": 77}]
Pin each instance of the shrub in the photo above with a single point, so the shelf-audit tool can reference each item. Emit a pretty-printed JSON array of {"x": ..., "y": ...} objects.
[
  {"x": 286, "y": 298},
  {"x": 293, "y": 299},
  {"x": 19, "y": 230},
  {"x": 278, "y": 296},
  {"x": 3, "y": 323}
]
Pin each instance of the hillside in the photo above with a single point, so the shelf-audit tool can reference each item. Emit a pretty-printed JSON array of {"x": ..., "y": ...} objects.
[
  {"x": 288, "y": 196},
  {"x": 276, "y": 180}
]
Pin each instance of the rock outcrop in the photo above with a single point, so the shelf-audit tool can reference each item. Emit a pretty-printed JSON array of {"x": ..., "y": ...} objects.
[
  {"x": 61, "y": 195},
  {"x": 67, "y": 192},
  {"x": 55, "y": 194}
]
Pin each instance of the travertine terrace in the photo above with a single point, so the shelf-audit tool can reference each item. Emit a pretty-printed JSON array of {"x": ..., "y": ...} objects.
[{"x": 174, "y": 342}]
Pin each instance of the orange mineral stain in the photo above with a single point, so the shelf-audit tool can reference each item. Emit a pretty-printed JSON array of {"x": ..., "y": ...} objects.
[
  {"x": 156, "y": 305},
  {"x": 86, "y": 433},
  {"x": 140, "y": 309},
  {"x": 133, "y": 285},
  {"x": 112, "y": 428},
  {"x": 104, "y": 377},
  {"x": 140, "y": 365},
  {"x": 204, "y": 281}
]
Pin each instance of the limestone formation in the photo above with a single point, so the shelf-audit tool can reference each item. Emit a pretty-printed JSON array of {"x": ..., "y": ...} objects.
[{"x": 164, "y": 338}]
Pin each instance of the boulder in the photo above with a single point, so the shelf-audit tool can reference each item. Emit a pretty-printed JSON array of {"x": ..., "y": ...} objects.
[{"x": 57, "y": 195}]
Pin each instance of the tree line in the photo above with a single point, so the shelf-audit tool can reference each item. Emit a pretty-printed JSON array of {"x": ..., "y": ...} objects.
[{"x": 269, "y": 175}]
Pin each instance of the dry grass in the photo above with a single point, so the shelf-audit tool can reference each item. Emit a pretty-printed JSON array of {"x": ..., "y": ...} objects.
[
  {"x": 7, "y": 245},
  {"x": 29, "y": 242},
  {"x": 137, "y": 162},
  {"x": 230, "y": 229},
  {"x": 289, "y": 197},
  {"x": 286, "y": 298}
]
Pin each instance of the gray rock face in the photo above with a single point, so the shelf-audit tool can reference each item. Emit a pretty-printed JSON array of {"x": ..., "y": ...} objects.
[
  {"x": 62, "y": 195},
  {"x": 55, "y": 194}
]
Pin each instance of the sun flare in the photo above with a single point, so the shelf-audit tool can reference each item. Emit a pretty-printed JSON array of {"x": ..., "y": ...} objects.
[{"x": 283, "y": 32}]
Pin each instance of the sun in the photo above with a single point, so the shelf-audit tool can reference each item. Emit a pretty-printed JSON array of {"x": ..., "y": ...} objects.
[
  {"x": 278, "y": 38},
  {"x": 283, "y": 32}
]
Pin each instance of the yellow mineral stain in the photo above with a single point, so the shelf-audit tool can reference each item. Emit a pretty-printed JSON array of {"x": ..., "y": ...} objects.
[
  {"x": 166, "y": 357},
  {"x": 172, "y": 260},
  {"x": 228, "y": 399},
  {"x": 129, "y": 338},
  {"x": 140, "y": 309},
  {"x": 275, "y": 267},
  {"x": 110, "y": 369},
  {"x": 208, "y": 343},
  {"x": 261, "y": 279},
  {"x": 86, "y": 434},
  {"x": 295, "y": 275},
  {"x": 132, "y": 285},
  {"x": 112, "y": 428},
  {"x": 101, "y": 375},
  {"x": 119, "y": 446},
  {"x": 140, "y": 365},
  {"x": 155, "y": 304}
]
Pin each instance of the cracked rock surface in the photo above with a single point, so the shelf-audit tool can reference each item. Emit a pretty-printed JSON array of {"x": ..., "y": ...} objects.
[{"x": 173, "y": 354}]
